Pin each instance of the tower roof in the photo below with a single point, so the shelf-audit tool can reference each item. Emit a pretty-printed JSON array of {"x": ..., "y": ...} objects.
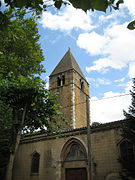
[{"x": 68, "y": 62}]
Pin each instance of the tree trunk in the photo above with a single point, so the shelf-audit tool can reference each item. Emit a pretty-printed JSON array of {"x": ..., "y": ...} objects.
[{"x": 9, "y": 171}]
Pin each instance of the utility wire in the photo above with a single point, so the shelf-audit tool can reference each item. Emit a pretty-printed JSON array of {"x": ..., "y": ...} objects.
[
  {"x": 111, "y": 97},
  {"x": 73, "y": 105},
  {"x": 83, "y": 102}
]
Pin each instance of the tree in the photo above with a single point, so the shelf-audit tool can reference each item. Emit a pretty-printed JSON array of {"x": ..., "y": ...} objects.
[
  {"x": 128, "y": 133},
  {"x": 29, "y": 105},
  {"x": 96, "y": 124},
  {"x": 5, "y": 137},
  {"x": 19, "y": 48},
  {"x": 38, "y": 6}
]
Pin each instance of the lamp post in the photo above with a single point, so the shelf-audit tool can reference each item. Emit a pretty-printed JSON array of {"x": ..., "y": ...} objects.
[{"x": 88, "y": 137}]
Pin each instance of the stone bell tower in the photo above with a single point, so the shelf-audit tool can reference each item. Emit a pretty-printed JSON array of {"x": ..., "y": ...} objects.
[{"x": 68, "y": 80}]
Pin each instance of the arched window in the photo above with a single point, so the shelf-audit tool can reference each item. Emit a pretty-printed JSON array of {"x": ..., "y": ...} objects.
[
  {"x": 126, "y": 150},
  {"x": 35, "y": 163},
  {"x": 73, "y": 150},
  {"x": 61, "y": 80},
  {"x": 75, "y": 153}
]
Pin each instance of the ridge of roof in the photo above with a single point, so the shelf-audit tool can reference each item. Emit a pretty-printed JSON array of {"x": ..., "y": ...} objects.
[
  {"x": 68, "y": 62},
  {"x": 93, "y": 128},
  {"x": 41, "y": 136}
]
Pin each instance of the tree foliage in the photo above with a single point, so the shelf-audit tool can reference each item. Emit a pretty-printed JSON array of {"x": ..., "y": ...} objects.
[
  {"x": 19, "y": 48},
  {"x": 25, "y": 104},
  {"x": 6, "y": 138},
  {"x": 128, "y": 133},
  {"x": 38, "y": 6}
]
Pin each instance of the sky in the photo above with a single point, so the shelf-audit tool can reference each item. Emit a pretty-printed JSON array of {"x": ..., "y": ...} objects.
[{"x": 104, "y": 49}]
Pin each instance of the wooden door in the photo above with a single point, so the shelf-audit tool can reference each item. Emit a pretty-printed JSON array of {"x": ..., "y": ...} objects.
[{"x": 76, "y": 174}]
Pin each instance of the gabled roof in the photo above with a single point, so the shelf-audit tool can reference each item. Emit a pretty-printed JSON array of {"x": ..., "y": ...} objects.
[
  {"x": 68, "y": 62},
  {"x": 37, "y": 136}
]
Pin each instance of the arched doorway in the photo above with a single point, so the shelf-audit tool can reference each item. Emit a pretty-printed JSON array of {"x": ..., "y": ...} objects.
[{"x": 74, "y": 161}]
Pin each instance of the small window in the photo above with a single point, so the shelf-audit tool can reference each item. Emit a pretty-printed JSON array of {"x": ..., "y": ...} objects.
[
  {"x": 35, "y": 163},
  {"x": 58, "y": 81},
  {"x": 126, "y": 150},
  {"x": 81, "y": 84},
  {"x": 63, "y": 80}
]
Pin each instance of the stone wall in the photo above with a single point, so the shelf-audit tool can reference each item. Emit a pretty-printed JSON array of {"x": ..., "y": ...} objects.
[
  {"x": 72, "y": 97},
  {"x": 105, "y": 153}
]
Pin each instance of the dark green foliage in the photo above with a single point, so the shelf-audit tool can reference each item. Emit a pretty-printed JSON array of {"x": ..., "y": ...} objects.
[
  {"x": 4, "y": 157},
  {"x": 19, "y": 48},
  {"x": 128, "y": 133},
  {"x": 38, "y": 6},
  {"x": 128, "y": 168},
  {"x": 25, "y": 104},
  {"x": 131, "y": 25},
  {"x": 42, "y": 109},
  {"x": 5, "y": 137},
  {"x": 95, "y": 124}
]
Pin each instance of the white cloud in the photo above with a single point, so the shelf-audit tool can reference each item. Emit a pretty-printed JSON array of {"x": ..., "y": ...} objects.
[
  {"x": 47, "y": 82},
  {"x": 92, "y": 42},
  {"x": 120, "y": 80},
  {"x": 67, "y": 19},
  {"x": 121, "y": 45},
  {"x": 106, "y": 18},
  {"x": 98, "y": 81},
  {"x": 129, "y": 86},
  {"x": 116, "y": 44},
  {"x": 109, "y": 109},
  {"x": 53, "y": 41},
  {"x": 103, "y": 81},
  {"x": 47, "y": 85},
  {"x": 131, "y": 72},
  {"x": 89, "y": 79},
  {"x": 115, "y": 15},
  {"x": 100, "y": 65},
  {"x": 48, "y": 3},
  {"x": 130, "y": 4}
]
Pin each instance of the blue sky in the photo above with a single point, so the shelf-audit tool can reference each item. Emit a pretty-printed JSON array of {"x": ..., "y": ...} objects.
[
  {"x": 102, "y": 46},
  {"x": 104, "y": 49}
]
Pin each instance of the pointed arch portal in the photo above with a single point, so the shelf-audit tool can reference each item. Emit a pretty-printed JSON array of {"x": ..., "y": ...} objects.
[{"x": 74, "y": 161}]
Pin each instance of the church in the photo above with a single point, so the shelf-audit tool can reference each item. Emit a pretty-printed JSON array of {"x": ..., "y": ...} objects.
[{"x": 42, "y": 157}]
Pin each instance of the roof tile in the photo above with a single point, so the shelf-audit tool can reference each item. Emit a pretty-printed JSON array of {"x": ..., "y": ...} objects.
[{"x": 68, "y": 62}]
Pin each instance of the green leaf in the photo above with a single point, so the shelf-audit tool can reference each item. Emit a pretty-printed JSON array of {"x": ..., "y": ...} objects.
[
  {"x": 90, "y": 4},
  {"x": 131, "y": 25},
  {"x": 58, "y": 4},
  {"x": 82, "y": 4},
  {"x": 100, "y": 5},
  {"x": 118, "y": 3},
  {"x": 44, "y": 6}
]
